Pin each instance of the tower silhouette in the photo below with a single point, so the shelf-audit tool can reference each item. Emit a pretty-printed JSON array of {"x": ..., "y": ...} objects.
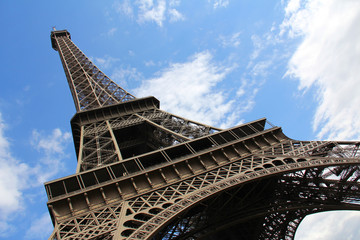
[{"x": 144, "y": 173}]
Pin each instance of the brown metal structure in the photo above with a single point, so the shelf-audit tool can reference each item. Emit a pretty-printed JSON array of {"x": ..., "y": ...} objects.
[{"x": 144, "y": 173}]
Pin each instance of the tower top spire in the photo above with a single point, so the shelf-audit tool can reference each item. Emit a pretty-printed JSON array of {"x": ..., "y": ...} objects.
[
  {"x": 57, "y": 34},
  {"x": 89, "y": 86}
]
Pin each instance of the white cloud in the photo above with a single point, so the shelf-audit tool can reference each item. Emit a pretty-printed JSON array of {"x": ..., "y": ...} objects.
[
  {"x": 260, "y": 68},
  {"x": 124, "y": 7},
  {"x": 52, "y": 148},
  {"x": 175, "y": 15},
  {"x": 13, "y": 179},
  {"x": 51, "y": 144},
  {"x": 328, "y": 58},
  {"x": 104, "y": 62},
  {"x": 220, "y": 3},
  {"x": 17, "y": 176},
  {"x": 292, "y": 6},
  {"x": 150, "y": 11},
  {"x": 157, "y": 11},
  {"x": 230, "y": 41},
  {"x": 149, "y": 63},
  {"x": 330, "y": 225},
  {"x": 122, "y": 75},
  {"x": 40, "y": 228},
  {"x": 258, "y": 46},
  {"x": 190, "y": 89},
  {"x": 269, "y": 41},
  {"x": 174, "y": 3}
]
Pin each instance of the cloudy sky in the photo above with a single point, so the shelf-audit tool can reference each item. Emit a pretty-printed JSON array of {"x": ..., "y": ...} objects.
[{"x": 221, "y": 62}]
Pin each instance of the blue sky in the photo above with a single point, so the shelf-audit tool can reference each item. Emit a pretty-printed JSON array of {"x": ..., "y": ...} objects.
[{"x": 221, "y": 62}]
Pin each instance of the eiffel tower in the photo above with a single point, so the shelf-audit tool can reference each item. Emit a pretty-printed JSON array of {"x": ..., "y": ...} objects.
[{"x": 144, "y": 173}]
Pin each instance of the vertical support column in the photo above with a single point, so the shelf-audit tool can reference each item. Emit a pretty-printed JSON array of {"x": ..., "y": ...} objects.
[
  {"x": 80, "y": 161},
  {"x": 117, "y": 149}
]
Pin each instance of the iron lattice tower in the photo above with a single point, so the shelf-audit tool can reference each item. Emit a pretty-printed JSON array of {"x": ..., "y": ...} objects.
[{"x": 144, "y": 173}]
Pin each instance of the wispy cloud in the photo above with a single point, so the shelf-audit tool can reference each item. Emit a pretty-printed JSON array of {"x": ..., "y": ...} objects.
[
  {"x": 14, "y": 175},
  {"x": 258, "y": 46},
  {"x": 232, "y": 40},
  {"x": 219, "y": 3},
  {"x": 124, "y": 7},
  {"x": 40, "y": 228},
  {"x": 261, "y": 68},
  {"x": 191, "y": 89},
  {"x": 152, "y": 11},
  {"x": 52, "y": 149},
  {"x": 175, "y": 15},
  {"x": 124, "y": 74},
  {"x": 157, "y": 11},
  {"x": 328, "y": 58},
  {"x": 104, "y": 62},
  {"x": 17, "y": 176},
  {"x": 330, "y": 225},
  {"x": 149, "y": 63}
]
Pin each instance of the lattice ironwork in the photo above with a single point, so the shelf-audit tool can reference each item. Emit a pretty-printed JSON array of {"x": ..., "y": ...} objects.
[
  {"x": 144, "y": 173},
  {"x": 90, "y": 87}
]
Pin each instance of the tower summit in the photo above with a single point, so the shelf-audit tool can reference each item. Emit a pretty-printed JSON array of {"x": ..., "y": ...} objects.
[
  {"x": 89, "y": 87},
  {"x": 144, "y": 173}
]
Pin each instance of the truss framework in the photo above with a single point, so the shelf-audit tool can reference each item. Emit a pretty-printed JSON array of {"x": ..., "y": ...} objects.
[
  {"x": 155, "y": 207},
  {"x": 102, "y": 141},
  {"x": 89, "y": 86},
  {"x": 263, "y": 209},
  {"x": 144, "y": 173}
]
